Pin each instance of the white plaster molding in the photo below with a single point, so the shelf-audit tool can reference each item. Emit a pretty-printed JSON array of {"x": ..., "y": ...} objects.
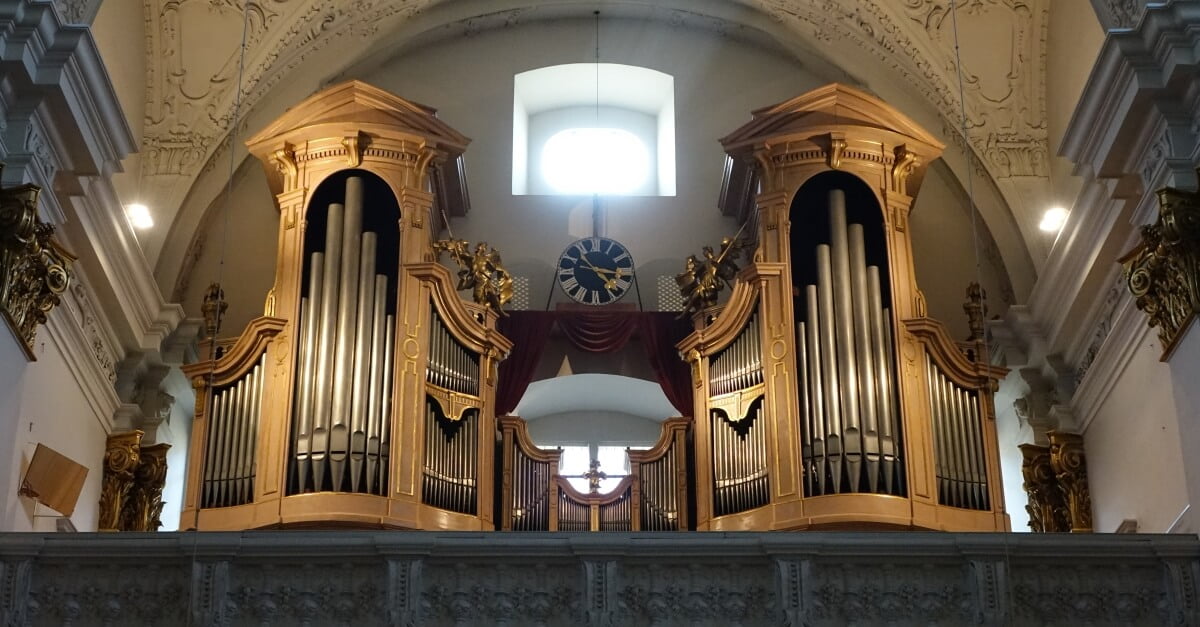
[
  {"x": 1128, "y": 330},
  {"x": 74, "y": 345}
]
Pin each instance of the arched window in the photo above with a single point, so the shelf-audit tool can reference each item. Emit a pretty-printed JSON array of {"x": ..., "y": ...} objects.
[{"x": 569, "y": 140}]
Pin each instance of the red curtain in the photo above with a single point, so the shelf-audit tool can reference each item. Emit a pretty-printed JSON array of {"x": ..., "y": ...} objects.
[
  {"x": 597, "y": 332},
  {"x": 660, "y": 332},
  {"x": 528, "y": 331}
]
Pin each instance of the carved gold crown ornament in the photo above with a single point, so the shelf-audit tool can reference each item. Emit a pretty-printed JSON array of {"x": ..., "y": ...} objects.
[
  {"x": 34, "y": 268},
  {"x": 1163, "y": 270}
]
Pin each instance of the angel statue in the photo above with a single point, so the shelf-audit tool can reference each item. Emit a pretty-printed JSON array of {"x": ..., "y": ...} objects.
[
  {"x": 703, "y": 279},
  {"x": 479, "y": 271}
]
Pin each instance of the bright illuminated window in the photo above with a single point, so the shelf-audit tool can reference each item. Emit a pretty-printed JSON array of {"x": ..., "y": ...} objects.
[
  {"x": 586, "y": 128},
  {"x": 595, "y": 161},
  {"x": 575, "y": 462}
]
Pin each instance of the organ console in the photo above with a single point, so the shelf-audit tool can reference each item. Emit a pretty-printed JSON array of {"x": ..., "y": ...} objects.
[{"x": 824, "y": 395}]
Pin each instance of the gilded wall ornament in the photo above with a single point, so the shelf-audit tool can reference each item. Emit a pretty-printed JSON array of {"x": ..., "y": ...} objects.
[
  {"x": 703, "y": 279},
  {"x": 480, "y": 271},
  {"x": 1070, "y": 467},
  {"x": 34, "y": 269},
  {"x": 1047, "y": 510},
  {"x": 121, "y": 458},
  {"x": 142, "y": 509},
  {"x": 1163, "y": 270}
]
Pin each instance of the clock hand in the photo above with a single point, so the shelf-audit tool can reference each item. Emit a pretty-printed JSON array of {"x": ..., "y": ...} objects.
[{"x": 598, "y": 270}]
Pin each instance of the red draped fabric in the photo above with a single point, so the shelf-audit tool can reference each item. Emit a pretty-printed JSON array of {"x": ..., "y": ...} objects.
[
  {"x": 528, "y": 331},
  {"x": 597, "y": 332},
  {"x": 660, "y": 332}
]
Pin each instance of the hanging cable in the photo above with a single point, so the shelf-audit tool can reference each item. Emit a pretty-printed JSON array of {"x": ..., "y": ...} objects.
[{"x": 962, "y": 103}]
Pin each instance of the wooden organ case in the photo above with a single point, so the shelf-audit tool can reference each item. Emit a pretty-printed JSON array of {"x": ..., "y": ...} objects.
[
  {"x": 364, "y": 396},
  {"x": 825, "y": 396}
]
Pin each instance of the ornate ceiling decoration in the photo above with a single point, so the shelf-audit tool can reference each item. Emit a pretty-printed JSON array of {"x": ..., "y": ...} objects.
[{"x": 190, "y": 89}]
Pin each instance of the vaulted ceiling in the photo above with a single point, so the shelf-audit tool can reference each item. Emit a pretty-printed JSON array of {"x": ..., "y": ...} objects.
[{"x": 900, "y": 49}]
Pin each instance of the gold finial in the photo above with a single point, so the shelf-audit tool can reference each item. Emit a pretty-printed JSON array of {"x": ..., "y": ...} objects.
[
  {"x": 976, "y": 310},
  {"x": 213, "y": 309}
]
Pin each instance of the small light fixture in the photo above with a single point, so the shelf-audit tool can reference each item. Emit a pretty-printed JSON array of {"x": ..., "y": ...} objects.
[
  {"x": 139, "y": 216},
  {"x": 1053, "y": 219}
]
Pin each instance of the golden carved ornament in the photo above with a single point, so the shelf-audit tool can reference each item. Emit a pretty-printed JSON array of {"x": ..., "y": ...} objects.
[
  {"x": 213, "y": 308},
  {"x": 142, "y": 510},
  {"x": 121, "y": 456},
  {"x": 1070, "y": 467},
  {"x": 481, "y": 272},
  {"x": 703, "y": 279},
  {"x": 34, "y": 268},
  {"x": 976, "y": 310},
  {"x": 1047, "y": 510},
  {"x": 1163, "y": 270}
]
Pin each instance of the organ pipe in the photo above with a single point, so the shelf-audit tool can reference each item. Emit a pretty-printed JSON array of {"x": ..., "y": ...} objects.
[
  {"x": 344, "y": 375},
  {"x": 230, "y": 460},
  {"x": 847, "y": 380},
  {"x": 958, "y": 442}
]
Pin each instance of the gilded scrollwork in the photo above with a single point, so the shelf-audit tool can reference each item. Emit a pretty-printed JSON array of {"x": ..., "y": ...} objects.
[
  {"x": 121, "y": 458},
  {"x": 1163, "y": 270},
  {"x": 142, "y": 510},
  {"x": 1070, "y": 467},
  {"x": 34, "y": 268},
  {"x": 1047, "y": 510}
]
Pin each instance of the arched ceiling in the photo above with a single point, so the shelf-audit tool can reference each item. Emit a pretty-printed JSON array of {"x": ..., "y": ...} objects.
[{"x": 900, "y": 49}]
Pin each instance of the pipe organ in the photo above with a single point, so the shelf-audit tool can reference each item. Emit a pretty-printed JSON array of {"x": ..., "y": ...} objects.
[
  {"x": 832, "y": 400},
  {"x": 824, "y": 395},
  {"x": 363, "y": 396},
  {"x": 653, "y": 497}
]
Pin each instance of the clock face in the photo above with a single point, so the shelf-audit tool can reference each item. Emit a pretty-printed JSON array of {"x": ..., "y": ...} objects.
[{"x": 595, "y": 271}]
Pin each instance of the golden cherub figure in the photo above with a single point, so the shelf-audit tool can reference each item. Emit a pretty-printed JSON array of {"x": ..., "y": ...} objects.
[
  {"x": 481, "y": 272},
  {"x": 703, "y": 279}
]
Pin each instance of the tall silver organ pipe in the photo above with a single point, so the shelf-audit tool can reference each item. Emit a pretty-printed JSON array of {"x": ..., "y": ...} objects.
[
  {"x": 845, "y": 360},
  {"x": 451, "y": 448},
  {"x": 740, "y": 477},
  {"x": 739, "y": 365},
  {"x": 343, "y": 384},
  {"x": 451, "y": 365},
  {"x": 530, "y": 492},
  {"x": 617, "y": 515},
  {"x": 659, "y": 495},
  {"x": 230, "y": 462},
  {"x": 573, "y": 515},
  {"x": 958, "y": 442}
]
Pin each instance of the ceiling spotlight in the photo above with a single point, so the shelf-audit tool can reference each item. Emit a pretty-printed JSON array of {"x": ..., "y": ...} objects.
[
  {"x": 139, "y": 216},
  {"x": 1053, "y": 219}
]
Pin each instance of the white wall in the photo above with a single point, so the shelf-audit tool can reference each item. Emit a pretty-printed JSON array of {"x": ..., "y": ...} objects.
[
  {"x": 594, "y": 427},
  {"x": 1134, "y": 455},
  {"x": 43, "y": 402}
]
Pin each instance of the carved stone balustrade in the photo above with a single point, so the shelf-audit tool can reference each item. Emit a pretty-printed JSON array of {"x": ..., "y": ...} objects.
[{"x": 389, "y": 578}]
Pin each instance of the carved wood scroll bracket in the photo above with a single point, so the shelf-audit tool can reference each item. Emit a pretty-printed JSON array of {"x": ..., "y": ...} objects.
[
  {"x": 1163, "y": 270},
  {"x": 34, "y": 269}
]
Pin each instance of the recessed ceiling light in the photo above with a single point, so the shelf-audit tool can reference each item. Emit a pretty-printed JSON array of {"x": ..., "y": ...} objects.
[
  {"x": 139, "y": 216},
  {"x": 1053, "y": 219}
]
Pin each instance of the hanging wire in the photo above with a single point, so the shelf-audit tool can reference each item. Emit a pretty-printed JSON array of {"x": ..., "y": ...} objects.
[
  {"x": 985, "y": 340},
  {"x": 962, "y": 103},
  {"x": 212, "y": 346}
]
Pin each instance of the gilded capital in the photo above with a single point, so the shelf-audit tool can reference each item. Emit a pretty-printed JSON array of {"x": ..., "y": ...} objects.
[
  {"x": 1070, "y": 468},
  {"x": 1163, "y": 270},
  {"x": 121, "y": 458},
  {"x": 34, "y": 268},
  {"x": 1046, "y": 507},
  {"x": 142, "y": 510}
]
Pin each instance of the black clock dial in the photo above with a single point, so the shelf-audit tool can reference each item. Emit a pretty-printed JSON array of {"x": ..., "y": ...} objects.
[{"x": 595, "y": 271}]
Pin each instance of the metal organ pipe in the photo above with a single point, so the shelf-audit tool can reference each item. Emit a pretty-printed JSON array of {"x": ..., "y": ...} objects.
[
  {"x": 850, "y": 414},
  {"x": 344, "y": 374}
]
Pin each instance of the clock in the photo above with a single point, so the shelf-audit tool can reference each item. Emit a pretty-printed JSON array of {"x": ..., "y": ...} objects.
[{"x": 595, "y": 271}]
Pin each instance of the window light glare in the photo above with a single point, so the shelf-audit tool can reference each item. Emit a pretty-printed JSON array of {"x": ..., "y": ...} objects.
[
  {"x": 595, "y": 161},
  {"x": 139, "y": 216},
  {"x": 1053, "y": 219}
]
